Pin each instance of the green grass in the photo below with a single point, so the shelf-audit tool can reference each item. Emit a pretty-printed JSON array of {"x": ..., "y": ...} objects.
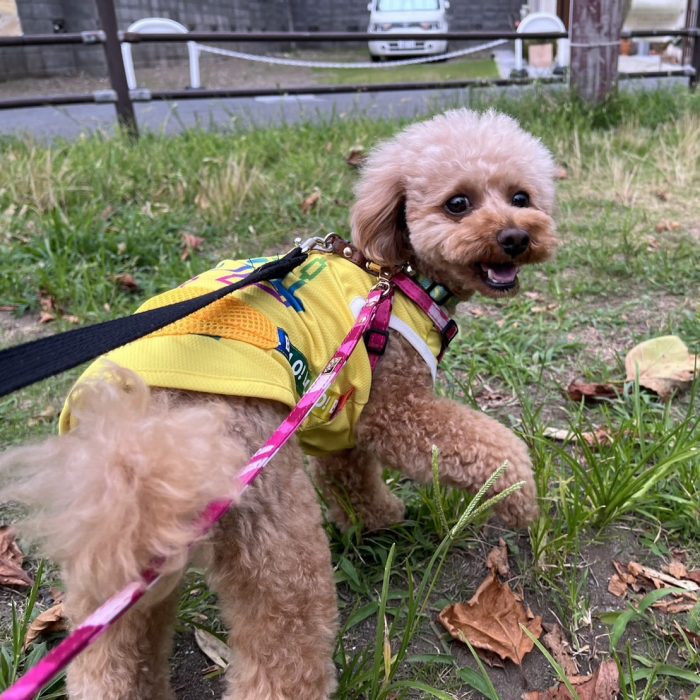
[
  {"x": 74, "y": 216},
  {"x": 458, "y": 69}
]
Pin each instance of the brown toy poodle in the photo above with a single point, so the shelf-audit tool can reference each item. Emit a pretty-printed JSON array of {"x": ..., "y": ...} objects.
[{"x": 466, "y": 199}]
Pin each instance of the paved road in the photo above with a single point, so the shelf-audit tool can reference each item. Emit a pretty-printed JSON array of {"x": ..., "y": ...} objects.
[
  {"x": 48, "y": 123},
  {"x": 70, "y": 121}
]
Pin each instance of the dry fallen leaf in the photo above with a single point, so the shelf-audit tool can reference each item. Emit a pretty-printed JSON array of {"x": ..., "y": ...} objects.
[
  {"x": 47, "y": 302},
  {"x": 356, "y": 157},
  {"x": 190, "y": 243},
  {"x": 126, "y": 282},
  {"x": 214, "y": 649},
  {"x": 667, "y": 226},
  {"x": 546, "y": 308},
  {"x": 662, "y": 364},
  {"x": 555, "y": 641},
  {"x": 488, "y": 397},
  {"x": 659, "y": 577},
  {"x": 202, "y": 201},
  {"x": 604, "y": 684},
  {"x": 476, "y": 311},
  {"x": 11, "y": 558},
  {"x": 599, "y": 436},
  {"x": 622, "y": 572},
  {"x": 676, "y": 569},
  {"x": 617, "y": 586},
  {"x": 47, "y": 413},
  {"x": 310, "y": 202},
  {"x": 643, "y": 578},
  {"x": 51, "y": 620},
  {"x": 578, "y": 391},
  {"x": 497, "y": 559},
  {"x": 652, "y": 244},
  {"x": 694, "y": 576},
  {"x": 673, "y": 607},
  {"x": 46, "y": 317},
  {"x": 492, "y": 620}
]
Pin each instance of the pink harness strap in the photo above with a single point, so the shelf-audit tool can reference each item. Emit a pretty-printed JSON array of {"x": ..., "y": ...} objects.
[
  {"x": 99, "y": 622},
  {"x": 372, "y": 324}
]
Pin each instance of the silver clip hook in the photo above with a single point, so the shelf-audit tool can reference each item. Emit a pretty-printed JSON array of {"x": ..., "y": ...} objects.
[{"x": 315, "y": 243}]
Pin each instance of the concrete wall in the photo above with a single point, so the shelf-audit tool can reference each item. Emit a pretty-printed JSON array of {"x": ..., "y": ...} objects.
[
  {"x": 47, "y": 16},
  {"x": 352, "y": 15}
]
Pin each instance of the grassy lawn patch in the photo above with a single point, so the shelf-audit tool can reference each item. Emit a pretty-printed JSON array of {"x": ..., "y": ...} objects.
[
  {"x": 75, "y": 218},
  {"x": 458, "y": 69}
]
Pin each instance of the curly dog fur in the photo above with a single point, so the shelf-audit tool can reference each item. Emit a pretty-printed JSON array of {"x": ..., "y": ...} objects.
[{"x": 466, "y": 198}]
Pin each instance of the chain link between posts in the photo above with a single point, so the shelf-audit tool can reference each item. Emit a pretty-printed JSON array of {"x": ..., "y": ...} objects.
[{"x": 279, "y": 61}]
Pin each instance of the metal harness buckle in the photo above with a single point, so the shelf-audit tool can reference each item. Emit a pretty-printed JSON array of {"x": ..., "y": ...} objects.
[{"x": 320, "y": 243}]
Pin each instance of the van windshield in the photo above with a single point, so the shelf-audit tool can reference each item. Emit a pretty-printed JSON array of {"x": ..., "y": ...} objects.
[{"x": 407, "y": 5}]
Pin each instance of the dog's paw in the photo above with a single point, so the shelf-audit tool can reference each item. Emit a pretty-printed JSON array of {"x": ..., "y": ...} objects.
[
  {"x": 390, "y": 511},
  {"x": 381, "y": 513},
  {"x": 520, "y": 508}
]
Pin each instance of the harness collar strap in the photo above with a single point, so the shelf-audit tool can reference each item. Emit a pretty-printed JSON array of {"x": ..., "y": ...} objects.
[
  {"x": 428, "y": 295},
  {"x": 437, "y": 292},
  {"x": 440, "y": 318}
]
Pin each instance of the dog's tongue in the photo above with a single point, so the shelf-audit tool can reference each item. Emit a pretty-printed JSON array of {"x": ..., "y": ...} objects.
[{"x": 501, "y": 274}]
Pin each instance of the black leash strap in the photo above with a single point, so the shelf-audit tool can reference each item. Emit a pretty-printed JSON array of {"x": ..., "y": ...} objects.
[{"x": 31, "y": 362}]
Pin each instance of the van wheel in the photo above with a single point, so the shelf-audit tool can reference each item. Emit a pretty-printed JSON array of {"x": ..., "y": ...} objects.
[{"x": 375, "y": 59}]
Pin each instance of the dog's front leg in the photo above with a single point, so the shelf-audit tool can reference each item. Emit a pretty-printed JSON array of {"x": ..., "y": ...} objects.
[
  {"x": 404, "y": 419},
  {"x": 352, "y": 487}
]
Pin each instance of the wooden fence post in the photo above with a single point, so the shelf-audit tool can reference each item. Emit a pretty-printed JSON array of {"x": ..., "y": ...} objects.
[
  {"x": 695, "y": 57},
  {"x": 115, "y": 66},
  {"x": 595, "y": 47}
]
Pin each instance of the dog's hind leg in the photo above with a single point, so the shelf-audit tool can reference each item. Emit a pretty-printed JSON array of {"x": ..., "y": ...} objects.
[
  {"x": 273, "y": 575},
  {"x": 352, "y": 486},
  {"x": 131, "y": 661},
  {"x": 122, "y": 489}
]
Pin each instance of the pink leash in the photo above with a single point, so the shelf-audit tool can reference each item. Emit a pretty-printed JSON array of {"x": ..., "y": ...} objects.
[{"x": 109, "y": 612}]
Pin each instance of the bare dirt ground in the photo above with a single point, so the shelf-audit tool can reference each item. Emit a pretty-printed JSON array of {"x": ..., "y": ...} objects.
[{"x": 192, "y": 670}]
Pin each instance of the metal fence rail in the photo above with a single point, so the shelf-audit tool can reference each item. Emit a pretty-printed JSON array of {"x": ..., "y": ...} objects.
[{"x": 110, "y": 39}]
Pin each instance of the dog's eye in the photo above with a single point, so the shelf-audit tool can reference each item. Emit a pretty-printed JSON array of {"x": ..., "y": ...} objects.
[
  {"x": 521, "y": 199},
  {"x": 458, "y": 205}
]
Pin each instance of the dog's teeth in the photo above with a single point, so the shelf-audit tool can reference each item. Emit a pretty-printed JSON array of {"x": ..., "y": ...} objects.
[{"x": 500, "y": 274}]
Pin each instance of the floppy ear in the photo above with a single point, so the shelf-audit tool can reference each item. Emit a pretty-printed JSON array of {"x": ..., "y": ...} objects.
[{"x": 378, "y": 217}]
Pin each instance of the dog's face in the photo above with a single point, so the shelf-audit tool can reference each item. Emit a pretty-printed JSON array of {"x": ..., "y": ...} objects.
[{"x": 465, "y": 197}]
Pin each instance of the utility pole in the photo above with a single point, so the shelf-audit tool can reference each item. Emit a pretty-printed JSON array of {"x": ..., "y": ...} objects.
[{"x": 595, "y": 47}]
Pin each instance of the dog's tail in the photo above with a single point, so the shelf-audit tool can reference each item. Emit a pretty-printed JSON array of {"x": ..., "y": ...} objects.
[{"x": 126, "y": 485}]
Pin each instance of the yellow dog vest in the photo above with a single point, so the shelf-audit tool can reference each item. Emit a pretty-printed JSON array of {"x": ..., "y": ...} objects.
[{"x": 270, "y": 341}]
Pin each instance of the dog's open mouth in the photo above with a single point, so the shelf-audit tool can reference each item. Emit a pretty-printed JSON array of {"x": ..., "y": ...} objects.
[{"x": 498, "y": 276}]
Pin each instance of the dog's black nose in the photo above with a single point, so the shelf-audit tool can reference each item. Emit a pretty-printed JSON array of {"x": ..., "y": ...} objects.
[{"x": 514, "y": 241}]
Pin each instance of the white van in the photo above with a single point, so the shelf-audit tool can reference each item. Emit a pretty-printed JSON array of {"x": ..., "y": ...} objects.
[{"x": 421, "y": 17}]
